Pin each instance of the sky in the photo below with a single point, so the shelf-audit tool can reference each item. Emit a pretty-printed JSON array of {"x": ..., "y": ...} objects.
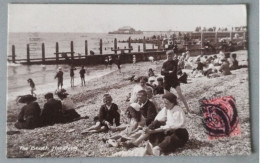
[{"x": 101, "y": 18}]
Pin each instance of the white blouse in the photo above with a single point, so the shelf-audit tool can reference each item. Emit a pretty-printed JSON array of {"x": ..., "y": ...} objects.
[{"x": 174, "y": 118}]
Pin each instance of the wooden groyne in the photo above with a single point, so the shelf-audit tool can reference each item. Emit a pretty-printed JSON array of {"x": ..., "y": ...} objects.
[{"x": 126, "y": 54}]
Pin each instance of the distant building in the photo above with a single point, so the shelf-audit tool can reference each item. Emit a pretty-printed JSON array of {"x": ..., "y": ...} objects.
[{"x": 126, "y": 30}]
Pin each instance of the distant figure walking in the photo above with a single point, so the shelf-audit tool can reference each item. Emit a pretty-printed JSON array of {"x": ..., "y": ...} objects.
[
  {"x": 106, "y": 61},
  {"x": 72, "y": 76},
  {"x": 59, "y": 75},
  {"x": 110, "y": 62},
  {"x": 82, "y": 73},
  {"x": 32, "y": 85},
  {"x": 134, "y": 60},
  {"x": 118, "y": 63}
]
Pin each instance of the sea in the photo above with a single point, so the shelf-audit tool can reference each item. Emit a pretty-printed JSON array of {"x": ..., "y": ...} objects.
[{"x": 43, "y": 75}]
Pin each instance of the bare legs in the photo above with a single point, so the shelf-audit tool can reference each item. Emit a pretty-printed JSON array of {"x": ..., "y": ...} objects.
[
  {"x": 83, "y": 82},
  {"x": 180, "y": 95}
]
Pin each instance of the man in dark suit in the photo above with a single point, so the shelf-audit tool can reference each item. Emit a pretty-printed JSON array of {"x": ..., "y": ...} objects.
[
  {"x": 51, "y": 112},
  {"x": 148, "y": 109}
]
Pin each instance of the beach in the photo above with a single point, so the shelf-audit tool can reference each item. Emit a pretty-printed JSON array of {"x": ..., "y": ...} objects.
[{"x": 66, "y": 140}]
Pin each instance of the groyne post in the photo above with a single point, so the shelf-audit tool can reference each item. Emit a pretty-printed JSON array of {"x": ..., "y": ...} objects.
[
  {"x": 202, "y": 39},
  {"x": 100, "y": 46},
  {"x": 72, "y": 50},
  {"x": 144, "y": 45},
  {"x": 159, "y": 43},
  {"x": 129, "y": 44},
  {"x": 13, "y": 53},
  {"x": 202, "y": 42},
  {"x": 216, "y": 37},
  {"x": 57, "y": 52},
  {"x": 28, "y": 53},
  {"x": 86, "y": 47},
  {"x": 139, "y": 48},
  {"x": 43, "y": 52},
  {"x": 231, "y": 37},
  {"x": 115, "y": 45}
]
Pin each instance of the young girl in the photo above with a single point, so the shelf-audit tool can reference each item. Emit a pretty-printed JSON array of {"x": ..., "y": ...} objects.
[
  {"x": 32, "y": 85},
  {"x": 131, "y": 131}
]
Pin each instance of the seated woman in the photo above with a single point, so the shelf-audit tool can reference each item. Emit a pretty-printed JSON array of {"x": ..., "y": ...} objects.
[
  {"x": 108, "y": 113},
  {"x": 29, "y": 117},
  {"x": 159, "y": 89},
  {"x": 234, "y": 62},
  {"x": 167, "y": 132},
  {"x": 68, "y": 112},
  {"x": 210, "y": 68},
  {"x": 150, "y": 72},
  {"x": 198, "y": 68},
  {"x": 132, "y": 129},
  {"x": 224, "y": 68}
]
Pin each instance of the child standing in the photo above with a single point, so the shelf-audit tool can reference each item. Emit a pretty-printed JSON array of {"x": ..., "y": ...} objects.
[
  {"x": 82, "y": 73},
  {"x": 32, "y": 85},
  {"x": 59, "y": 75},
  {"x": 72, "y": 76}
]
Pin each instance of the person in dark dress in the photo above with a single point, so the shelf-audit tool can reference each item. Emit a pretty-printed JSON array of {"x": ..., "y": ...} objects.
[
  {"x": 29, "y": 117},
  {"x": 82, "y": 73},
  {"x": 59, "y": 76},
  {"x": 148, "y": 109},
  {"x": 72, "y": 68},
  {"x": 169, "y": 71},
  {"x": 234, "y": 62},
  {"x": 51, "y": 112},
  {"x": 159, "y": 89}
]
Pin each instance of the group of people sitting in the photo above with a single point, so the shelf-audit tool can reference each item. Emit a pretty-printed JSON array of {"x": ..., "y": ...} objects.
[
  {"x": 164, "y": 129},
  {"x": 54, "y": 111},
  {"x": 210, "y": 66}
]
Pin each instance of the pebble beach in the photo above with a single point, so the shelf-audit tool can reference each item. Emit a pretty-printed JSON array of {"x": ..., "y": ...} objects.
[{"x": 66, "y": 140}]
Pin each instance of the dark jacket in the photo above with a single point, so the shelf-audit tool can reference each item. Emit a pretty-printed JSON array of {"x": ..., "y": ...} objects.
[
  {"x": 59, "y": 75},
  {"x": 109, "y": 115},
  {"x": 29, "y": 117},
  {"x": 148, "y": 110},
  {"x": 82, "y": 72},
  {"x": 170, "y": 66},
  {"x": 51, "y": 112}
]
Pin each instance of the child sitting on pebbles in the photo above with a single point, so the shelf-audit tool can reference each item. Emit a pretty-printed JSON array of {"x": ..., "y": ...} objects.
[
  {"x": 108, "y": 113},
  {"x": 131, "y": 130}
]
